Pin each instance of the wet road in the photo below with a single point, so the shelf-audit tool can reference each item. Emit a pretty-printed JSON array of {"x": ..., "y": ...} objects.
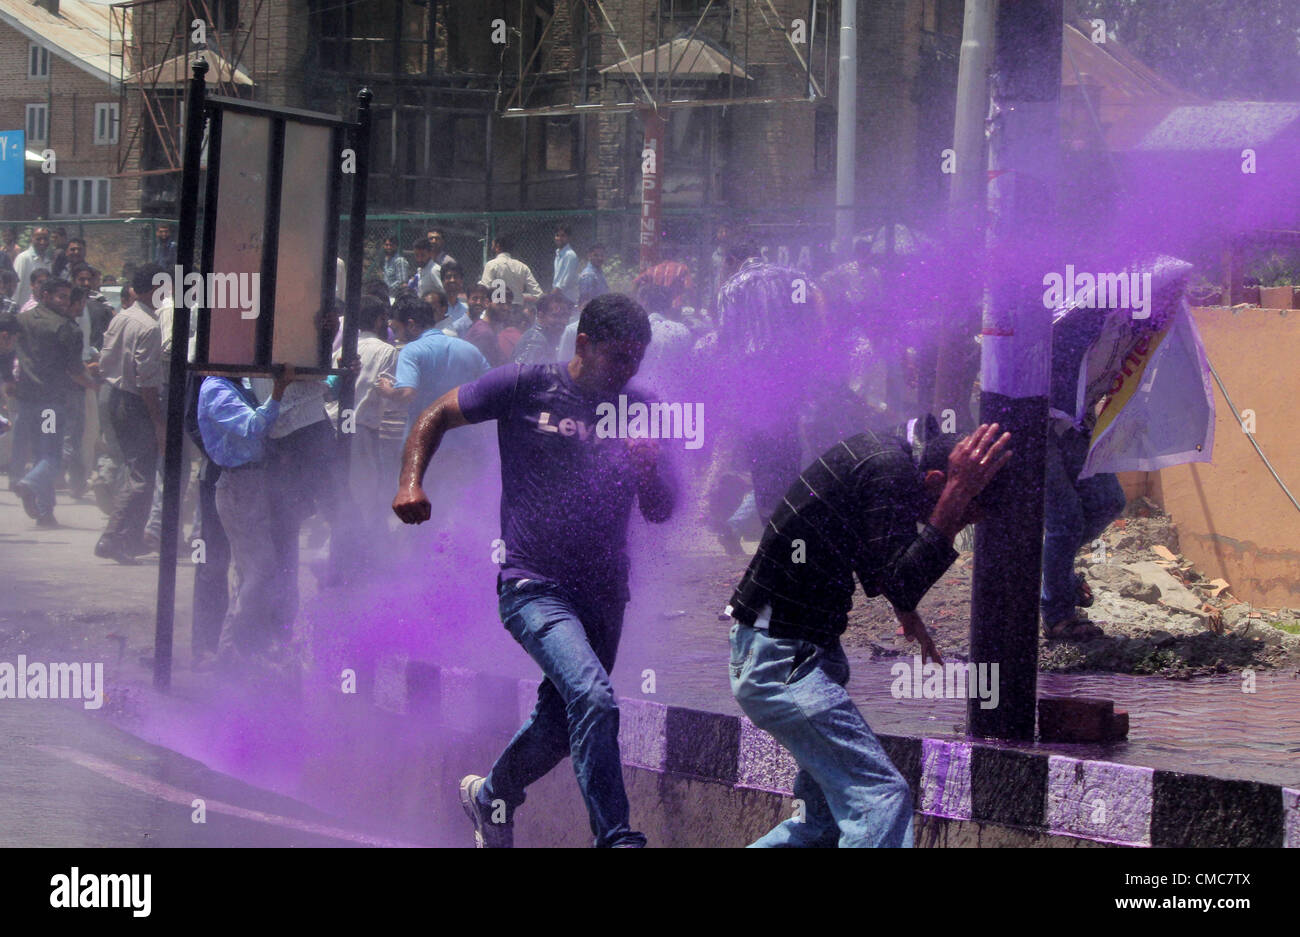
[
  {"x": 68, "y": 776},
  {"x": 72, "y": 780},
  {"x": 1203, "y": 725}
]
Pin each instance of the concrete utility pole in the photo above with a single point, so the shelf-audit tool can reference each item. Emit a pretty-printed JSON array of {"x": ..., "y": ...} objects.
[
  {"x": 1016, "y": 362},
  {"x": 967, "y": 199},
  {"x": 846, "y": 129}
]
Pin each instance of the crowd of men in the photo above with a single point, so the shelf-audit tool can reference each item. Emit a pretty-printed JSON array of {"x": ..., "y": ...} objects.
[{"x": 823, "y": 466}]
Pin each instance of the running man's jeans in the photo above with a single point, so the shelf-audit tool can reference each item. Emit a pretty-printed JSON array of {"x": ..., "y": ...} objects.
[
  {"x": 574, "y": 641},
  {"x": 852, "y": 794},
  {"x": 40, "y": 431},
  {"x": 1075, "y": 512}
]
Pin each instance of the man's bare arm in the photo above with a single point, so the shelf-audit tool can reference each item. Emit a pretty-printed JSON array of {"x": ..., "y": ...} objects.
[
  {"x": 914, "y": 630},
  {"x": 411, "y": 504},
  {"x": 384, "y": 388}
]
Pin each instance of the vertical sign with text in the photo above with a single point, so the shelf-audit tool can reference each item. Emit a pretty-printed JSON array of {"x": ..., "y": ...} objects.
[
  {"x": 652, "y": 174},
  {"x": 13, "y": 151}
]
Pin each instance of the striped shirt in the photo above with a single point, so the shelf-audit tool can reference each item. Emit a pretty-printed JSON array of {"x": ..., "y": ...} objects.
[{"x": 854, "y": 511}]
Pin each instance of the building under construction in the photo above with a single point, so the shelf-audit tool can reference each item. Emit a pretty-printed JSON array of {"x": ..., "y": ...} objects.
[{"x": 506, "y": 105}]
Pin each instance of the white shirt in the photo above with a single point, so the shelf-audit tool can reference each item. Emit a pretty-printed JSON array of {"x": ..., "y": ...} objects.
[
  {"x": 430, "y": 278},
  {"x": 516, "y": 275},
  {"x": 302, "y": 405},
  {"x": 24, "y": 264},
  {"x": 378, "y": 359}
]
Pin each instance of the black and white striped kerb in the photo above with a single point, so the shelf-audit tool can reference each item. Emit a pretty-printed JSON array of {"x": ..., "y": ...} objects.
[{"x": 1041, "y": 791}]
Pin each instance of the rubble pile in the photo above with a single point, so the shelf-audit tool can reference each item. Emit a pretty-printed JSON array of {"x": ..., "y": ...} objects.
[{"x": 1161, "y": 615}]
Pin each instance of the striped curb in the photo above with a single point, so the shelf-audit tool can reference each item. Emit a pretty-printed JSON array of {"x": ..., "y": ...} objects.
[{"x": 979, "y": 781}]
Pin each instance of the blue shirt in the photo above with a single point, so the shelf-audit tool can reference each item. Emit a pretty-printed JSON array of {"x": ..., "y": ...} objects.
[
  {"x": 457, "y": 319},
  {"x": 591, "y": 283},
  {"x": 234, "y": 431},
  {"x": 566, "y": 272},
  {"x": 433, "y": 364},
  {"x": 396, "y": 271}
]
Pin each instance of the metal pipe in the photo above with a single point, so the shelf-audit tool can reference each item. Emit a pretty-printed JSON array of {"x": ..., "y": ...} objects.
[
  {"x": 355, "y": 266},
  {"x": 174, "y": 447},
  {"x": 845, "y": 144}
]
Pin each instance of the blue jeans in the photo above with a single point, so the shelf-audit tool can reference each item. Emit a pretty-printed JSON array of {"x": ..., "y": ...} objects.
[
  {"x": 574, "y": 640},
  {"x": 46, "y": 448},
  {"x": 1075, "y": 512},
  {"x": 852, "y": 794}
]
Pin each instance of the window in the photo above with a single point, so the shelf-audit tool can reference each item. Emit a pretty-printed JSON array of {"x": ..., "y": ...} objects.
[
  {"x": 381, "y": 37},
  {"x": 76, "y": 198},
  {"x": 469, "y": 142},
  {"x": 560, "y": 142},
  {"x": 38, "y": 61},
  {"x": 105, "y": 123},
  {"x": 38, "y": 122}
]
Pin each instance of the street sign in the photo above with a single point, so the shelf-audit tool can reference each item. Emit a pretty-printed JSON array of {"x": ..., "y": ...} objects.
[{"x": 12, "y": 151}]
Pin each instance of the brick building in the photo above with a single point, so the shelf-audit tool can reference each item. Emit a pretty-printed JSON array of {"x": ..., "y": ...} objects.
[
  {"x": 445, "y": 88},
  {"x": 453, "y": 80},
  {"x": 58, "y": 87}
]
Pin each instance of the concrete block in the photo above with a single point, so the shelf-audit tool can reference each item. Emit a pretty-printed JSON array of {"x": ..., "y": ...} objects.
[
  {"x": 643, "y": 733},
  {"x": 390, "y": 683},
  {"x": 763, "y": 763},
  {"x": 945, "y": 778},
  {"x": 459, "y": 701},
  {"x": 423, "y": 685},
  {"x": 1099, "y": 800},
  {"x": 702, "y": 744},
  {"x": 1196, "y": 811},
  {"x": 1172, "y": 592},
  {"x": 1007, "y": 787}
]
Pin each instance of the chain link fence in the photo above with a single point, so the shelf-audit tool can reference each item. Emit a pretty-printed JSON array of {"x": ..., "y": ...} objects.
[
  {"x": 688, "y": 236},
  {"x": 114, "y": 246},
  {"x": 117, "y": 246}
]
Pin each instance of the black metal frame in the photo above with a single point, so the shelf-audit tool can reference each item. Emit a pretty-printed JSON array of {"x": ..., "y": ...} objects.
[
  {"x": 213, "y": 108},
  {"x": 201, "y": 110}
]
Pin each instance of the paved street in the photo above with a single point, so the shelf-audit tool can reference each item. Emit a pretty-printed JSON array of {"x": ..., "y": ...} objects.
[{"x": 69, "y": 776}]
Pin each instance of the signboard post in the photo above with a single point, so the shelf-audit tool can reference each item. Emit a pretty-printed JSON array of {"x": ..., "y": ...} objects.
[{"x": 263, "y": 288}]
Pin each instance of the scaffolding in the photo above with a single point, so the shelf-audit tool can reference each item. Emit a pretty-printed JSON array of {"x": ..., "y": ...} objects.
[
  {"x": 151, "y": 45},
  {"x": 686, "y": 53}
]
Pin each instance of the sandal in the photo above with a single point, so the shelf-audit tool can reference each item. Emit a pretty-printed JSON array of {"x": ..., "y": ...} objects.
[
  {"x": 1072, "y": 629},
  {"x": 1082, "y": 592}
]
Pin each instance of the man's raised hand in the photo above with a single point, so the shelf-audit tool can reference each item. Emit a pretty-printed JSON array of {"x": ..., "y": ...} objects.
[
  {"x": 976, "y": 459},
  {"x": 411, "y": 505}
]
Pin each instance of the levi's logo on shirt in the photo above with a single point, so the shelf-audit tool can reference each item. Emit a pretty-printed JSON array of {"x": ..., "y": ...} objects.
[
  {"x": 566, "y": 426},
  {"x": 635, "y": 420}
]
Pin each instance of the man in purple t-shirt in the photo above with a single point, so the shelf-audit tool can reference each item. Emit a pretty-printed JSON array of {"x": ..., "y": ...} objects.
[{"x": 569, "y": 476}]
